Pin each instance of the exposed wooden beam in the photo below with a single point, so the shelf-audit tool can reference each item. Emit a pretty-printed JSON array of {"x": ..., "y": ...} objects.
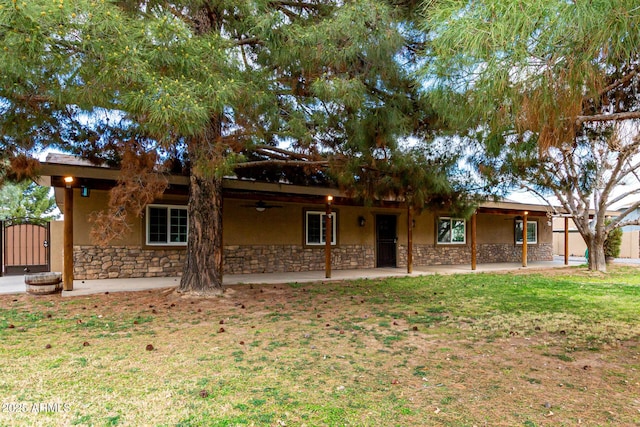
[
  {"x": 513, "y": 212},
  {"x": 474, "y": 246},
  {"x": 566, "y": 240},
  {"x": 524, "y": 238},
  {"x": 409, "y": 239},
  {"x": 67, "y": 272},
  {"x": 328, "y": 234}
]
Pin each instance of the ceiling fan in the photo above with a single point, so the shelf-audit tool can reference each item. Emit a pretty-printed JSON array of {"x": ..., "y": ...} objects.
[{"x": 261, "y": 206}]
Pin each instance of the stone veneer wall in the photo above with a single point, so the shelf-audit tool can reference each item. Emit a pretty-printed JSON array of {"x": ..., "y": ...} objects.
[
  {"x": 285, "y": 258},
  {"x": 461, "y": 254},
  {"x": 496, "y": 252},
  {"x": 435, "y": 254},
  {"x": 94, "y": 262}
]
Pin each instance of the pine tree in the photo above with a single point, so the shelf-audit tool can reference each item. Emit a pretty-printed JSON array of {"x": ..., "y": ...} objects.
[
  {"x": 315, "y": 90},
  {"x": 27, "y": 201},
  {"x": 548, "y": 90}
]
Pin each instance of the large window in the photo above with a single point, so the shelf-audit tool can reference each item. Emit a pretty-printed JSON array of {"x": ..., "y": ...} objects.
[
  {"x": 167, "y": 225},
  {"x": 315, "y": 230},
  {"x": 532, "y": 232},
  {"x": 452, "y": 231}
]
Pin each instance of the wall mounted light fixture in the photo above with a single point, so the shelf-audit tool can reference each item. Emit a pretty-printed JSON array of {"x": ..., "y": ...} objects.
[
  {"x": 68, "y": 180},
  {"x": 362, "y": 221}
]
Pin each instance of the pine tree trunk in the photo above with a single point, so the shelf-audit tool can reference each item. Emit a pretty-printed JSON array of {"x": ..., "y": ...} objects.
[{"x": 202, "y": 274}]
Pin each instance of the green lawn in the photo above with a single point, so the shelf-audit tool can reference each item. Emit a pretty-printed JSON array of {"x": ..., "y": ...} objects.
[{"x": 552, "y": 348}]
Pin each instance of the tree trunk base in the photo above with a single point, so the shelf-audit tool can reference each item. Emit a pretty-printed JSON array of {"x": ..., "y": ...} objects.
[{"x": 214, "y": 292}]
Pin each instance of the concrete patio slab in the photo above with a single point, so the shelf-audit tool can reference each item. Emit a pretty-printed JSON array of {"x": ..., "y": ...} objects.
[{"x": 15, "y": 284}]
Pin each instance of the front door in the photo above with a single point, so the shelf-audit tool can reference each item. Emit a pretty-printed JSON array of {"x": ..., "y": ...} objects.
[{"x": 386, "y": 240}]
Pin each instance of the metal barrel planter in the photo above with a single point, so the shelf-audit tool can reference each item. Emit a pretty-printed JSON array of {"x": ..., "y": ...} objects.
[{"x": 43, "y": 283}]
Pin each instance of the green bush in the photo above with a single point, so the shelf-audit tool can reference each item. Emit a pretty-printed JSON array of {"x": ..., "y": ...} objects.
[{"x": 612, "y": 244}]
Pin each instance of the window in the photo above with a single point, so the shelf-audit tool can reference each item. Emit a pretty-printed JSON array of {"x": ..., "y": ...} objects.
[
  {"x": 532, "y": 232},
  {"x": 167, "y": 225},
  {"x": 315, "y": 228},
  {"x": 452, "y": 231}
]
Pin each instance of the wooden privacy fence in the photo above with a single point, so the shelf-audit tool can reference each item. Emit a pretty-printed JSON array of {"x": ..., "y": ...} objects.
[{"x": 24, "y": 246}]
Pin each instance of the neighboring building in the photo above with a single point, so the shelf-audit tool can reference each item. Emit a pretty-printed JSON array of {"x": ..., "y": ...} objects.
[
  {"x": 577, "y": 246},
  {"x": 272, "y": 227},
  {"x": 630, "y": 247}
]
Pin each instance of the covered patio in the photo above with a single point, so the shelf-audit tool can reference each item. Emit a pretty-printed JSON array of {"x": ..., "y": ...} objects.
[{"x": 15, "y": 284}]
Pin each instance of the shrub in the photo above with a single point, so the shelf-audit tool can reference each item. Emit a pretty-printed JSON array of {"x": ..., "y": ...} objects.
[{"x": 612, "y": 244}]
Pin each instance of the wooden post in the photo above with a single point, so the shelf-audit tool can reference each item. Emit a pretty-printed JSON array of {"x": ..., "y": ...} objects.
[
  {"x": 474, "y": 249},
  {"x": 524, "y": 239},
  {"x": 566, "y": 240},
  {"x": 409, "y": 239},
  {"x": 327, "y": 238},
  {"x": 67, "y": 273},
  {"x": 1, "y": 248}
]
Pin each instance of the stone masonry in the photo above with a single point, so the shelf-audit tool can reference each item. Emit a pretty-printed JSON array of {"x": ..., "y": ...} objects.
[
  {"x": 95, "y": 262},
  {"x": 285, "y": 258},
  {"x": 461, "y": 254},
  {"x": 513, "y": 253}
]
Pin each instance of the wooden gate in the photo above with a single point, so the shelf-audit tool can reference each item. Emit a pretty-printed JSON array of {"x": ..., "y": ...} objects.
[{"x": 24, "y": 246}]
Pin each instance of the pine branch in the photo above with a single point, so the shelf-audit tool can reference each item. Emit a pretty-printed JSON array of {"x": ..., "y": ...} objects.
[
  {"x": 248, "y": 41},
  {"x": 621, "y": 82},
  {"x": 580, "y": 120},
  {"x": 38, "y": 99},
  {"x": 298, "y": 4},
  {"x": 298, "y": 163},
  {"x": 299, "y": 156}
]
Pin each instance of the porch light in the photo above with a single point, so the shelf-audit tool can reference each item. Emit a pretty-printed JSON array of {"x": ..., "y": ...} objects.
[
  {"x": 361, "y": 221},
  {"x": 329, "y": 199},
  {"x": 68, "y": 180}
]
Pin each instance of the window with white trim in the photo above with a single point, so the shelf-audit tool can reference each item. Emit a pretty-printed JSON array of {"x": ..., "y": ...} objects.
[
  {"x": 452, "y": 231},
  {"x": 167, "y": 225},
  {"x": 315, "y": 229},
  {"x": 532, "y": 232}
]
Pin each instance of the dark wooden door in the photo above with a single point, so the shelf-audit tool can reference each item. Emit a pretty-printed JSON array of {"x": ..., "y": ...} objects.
[{"x": 386, "y": 240}]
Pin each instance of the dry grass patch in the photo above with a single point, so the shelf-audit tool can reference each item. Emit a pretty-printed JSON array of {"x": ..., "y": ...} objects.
[{"x": 451, "y": 351}]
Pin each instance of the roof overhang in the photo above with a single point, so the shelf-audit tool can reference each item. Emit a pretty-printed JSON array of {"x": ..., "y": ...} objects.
[{"x": 57, "y": 167}]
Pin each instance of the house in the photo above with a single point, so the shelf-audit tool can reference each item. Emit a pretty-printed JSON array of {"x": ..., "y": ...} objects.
[{"x": 277, "y": 227}]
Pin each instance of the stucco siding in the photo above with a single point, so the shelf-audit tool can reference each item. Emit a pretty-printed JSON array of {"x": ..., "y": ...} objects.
[{"x": 274, "y": 240}]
